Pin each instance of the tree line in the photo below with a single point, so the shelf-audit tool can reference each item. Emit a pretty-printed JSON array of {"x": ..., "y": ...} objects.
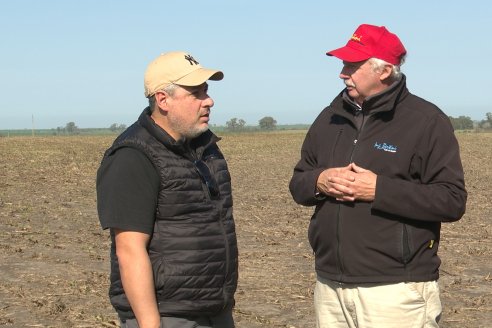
[
  {"x": 466, "y": 123},
  {"x": 459, "y": 123},
  {"x": 235, "y": 124},
  {"x": 268, "y": 123},
  {"x": 72, "y": 129}
]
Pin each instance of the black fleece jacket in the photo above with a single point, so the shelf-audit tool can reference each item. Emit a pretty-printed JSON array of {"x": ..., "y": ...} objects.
[{"x": 410, "y": 144}]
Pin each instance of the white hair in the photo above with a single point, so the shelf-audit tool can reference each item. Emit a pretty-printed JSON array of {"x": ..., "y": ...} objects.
[{"x": 378, "y": 64}]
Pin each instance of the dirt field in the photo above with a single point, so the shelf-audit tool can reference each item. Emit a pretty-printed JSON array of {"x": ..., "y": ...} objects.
[{"x": 54, "y": 257}]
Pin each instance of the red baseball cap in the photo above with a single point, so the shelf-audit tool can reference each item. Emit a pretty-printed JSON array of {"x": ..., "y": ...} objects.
[{"x": 371, "y": 41}]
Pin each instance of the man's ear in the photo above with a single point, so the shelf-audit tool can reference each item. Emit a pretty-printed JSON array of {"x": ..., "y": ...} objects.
[
  {"x": 386, "y": 72},
  {"x": 161, "y": 100}
]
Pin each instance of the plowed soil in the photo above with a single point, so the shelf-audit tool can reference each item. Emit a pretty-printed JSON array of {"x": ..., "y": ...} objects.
[{"x": 54, "y": 257}]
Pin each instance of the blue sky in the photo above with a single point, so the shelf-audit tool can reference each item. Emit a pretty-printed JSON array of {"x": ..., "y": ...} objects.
[{"x": 83, "y": 61}]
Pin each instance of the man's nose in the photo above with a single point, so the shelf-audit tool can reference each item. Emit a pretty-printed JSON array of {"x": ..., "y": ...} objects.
[
  {"x": 209, "y": 102},
  {"x": 343, "y": 74}
]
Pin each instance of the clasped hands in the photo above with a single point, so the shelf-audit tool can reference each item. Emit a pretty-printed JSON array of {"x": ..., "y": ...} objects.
[{"x": 348, "y": 183}]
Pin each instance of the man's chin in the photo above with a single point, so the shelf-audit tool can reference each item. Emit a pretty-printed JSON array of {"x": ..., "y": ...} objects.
[
  {"x": 204, "y": 128},
  {"x": 197, "y": 132}
]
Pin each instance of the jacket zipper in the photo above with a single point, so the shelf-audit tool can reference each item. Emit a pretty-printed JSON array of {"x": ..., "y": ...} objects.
[
  {"x": 339, "y": 261},
  {"x": 197, "y": 157},
  {"x": 224, "y": 234},
  {"x": 339, "y": 220},
  {"x": 357, "y": 136},
  {"x": 226, "y": 244}
]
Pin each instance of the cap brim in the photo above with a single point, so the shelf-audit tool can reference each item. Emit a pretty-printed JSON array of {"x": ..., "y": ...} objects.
[
  {"x": 349, "y": 54},
  {"x": 200, "y": 76}
]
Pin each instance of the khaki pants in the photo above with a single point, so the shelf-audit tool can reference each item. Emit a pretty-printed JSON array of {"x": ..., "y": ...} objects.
[{"x": 400, "y": 305}]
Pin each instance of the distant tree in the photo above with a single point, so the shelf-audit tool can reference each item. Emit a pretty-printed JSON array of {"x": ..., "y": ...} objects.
[
  {"x": 461, "y": 123},
  {"x": 487, "y": 123},
  {"x": 267, "y": 123},
  {"x": 117, "y": 127},
  {"x": 484, "y": 124},
  {"x": 231, "y": 124},
  {"x": 235, "y": 124},
  {"x": 71, "y": 128}
]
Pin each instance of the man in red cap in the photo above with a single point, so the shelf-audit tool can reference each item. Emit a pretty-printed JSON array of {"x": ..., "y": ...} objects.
[{"x": 382, "y": 167}]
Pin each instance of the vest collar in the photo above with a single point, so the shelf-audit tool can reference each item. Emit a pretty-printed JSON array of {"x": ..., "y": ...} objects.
[{"x": 193, "y": 150}]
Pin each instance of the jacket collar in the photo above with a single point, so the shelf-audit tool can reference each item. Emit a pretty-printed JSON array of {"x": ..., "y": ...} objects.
[
  {"x": 384, "y": 101},
  {"x": 194, "y": 148}
]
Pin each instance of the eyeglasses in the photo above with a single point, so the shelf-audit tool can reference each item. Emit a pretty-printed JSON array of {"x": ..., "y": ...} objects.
[{"x": 207, "y": 177}]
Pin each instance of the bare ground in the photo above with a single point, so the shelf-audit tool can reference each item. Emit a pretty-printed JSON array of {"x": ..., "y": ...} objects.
[{"x": 54, "y": 258}]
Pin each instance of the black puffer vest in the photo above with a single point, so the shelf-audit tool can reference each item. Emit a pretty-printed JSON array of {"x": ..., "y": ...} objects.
[{"x": 193, "y": 248}]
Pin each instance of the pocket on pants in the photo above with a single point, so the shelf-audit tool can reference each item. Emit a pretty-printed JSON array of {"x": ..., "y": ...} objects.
[{"x": 416, "y": 291}]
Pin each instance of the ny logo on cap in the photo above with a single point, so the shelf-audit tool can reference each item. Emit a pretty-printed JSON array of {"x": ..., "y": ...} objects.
[{"x": 191, "y": 60}]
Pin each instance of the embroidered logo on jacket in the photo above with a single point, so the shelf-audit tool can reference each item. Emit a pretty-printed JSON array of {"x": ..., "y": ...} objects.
[{"x": 386, "y": 147}]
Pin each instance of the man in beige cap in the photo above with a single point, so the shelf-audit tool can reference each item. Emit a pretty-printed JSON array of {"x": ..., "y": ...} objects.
[{"x": 164, "y": 191}]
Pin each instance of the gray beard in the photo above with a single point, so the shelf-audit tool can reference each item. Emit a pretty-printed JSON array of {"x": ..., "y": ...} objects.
[{"x": 185, "y": 133}]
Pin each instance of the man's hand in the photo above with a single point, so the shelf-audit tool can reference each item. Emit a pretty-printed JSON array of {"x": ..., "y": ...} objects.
[
  {"x": 348, "y": 183},
  {"x": 364, "y": 185},
  {"x": 335, "y": 182}
]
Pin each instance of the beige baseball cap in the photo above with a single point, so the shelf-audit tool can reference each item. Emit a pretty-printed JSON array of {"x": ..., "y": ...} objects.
[{"x": 179, "y": 68}]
